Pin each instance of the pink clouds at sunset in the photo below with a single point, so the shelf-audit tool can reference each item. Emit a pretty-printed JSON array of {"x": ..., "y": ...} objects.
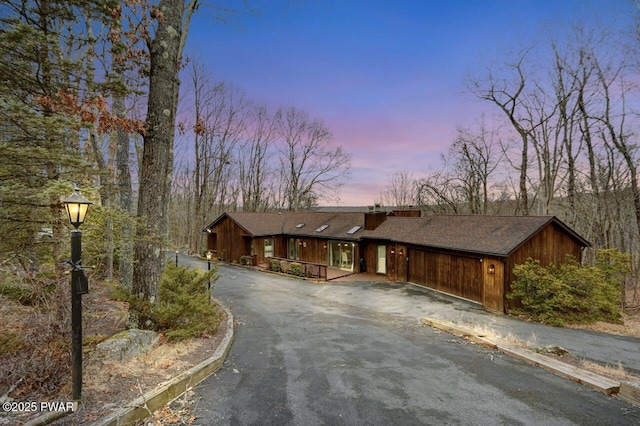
[{"x": 387, "y": 77}]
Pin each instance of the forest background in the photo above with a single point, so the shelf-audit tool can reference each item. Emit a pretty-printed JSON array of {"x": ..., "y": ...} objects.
[{"x": 99, "y": 94}]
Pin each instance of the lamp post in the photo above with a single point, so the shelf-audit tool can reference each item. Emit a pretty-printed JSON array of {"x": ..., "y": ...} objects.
[
  {"x": 176, "y": 258},
  {"x": 76, "y": 206},
  {"x": 209, "y": 256}
]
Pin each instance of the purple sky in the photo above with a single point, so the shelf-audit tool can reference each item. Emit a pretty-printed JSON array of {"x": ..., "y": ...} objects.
[{"x": 387, "y": 77}]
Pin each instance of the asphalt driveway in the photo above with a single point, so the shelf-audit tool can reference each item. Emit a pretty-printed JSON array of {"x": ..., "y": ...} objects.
[{"x": 354, "y": 354}]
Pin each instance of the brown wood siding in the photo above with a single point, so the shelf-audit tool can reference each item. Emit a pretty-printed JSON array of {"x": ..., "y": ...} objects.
[
  {"x": 400, "y": 263},
  {"x": 280, "y": 246},
  {"x": 258, "y": 249},
  {"x": 448, "y": 273},
  {"x": 369, "y": 252},
  {"x": 313, "y": 250},
  {"x": 232, "y": 241},
  {"x": 549, "y": 245},
  {"x": 407, "y": 213},
  {"x": 493, "y": 284},
  {"x": 373, "y": 220}
]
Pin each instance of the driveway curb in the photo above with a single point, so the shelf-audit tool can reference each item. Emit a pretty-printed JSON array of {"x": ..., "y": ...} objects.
[
  {"x": 145, "y": 405},
  {"x": 599, "y": 383}
]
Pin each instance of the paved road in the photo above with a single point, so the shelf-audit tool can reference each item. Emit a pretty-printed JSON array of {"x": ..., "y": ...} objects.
[{"x": 304, "y": 356}]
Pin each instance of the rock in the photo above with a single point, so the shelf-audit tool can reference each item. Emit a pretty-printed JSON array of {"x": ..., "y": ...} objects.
[
  {"x": 126, "y": 345},
  {"x": 551, "y": 350}
]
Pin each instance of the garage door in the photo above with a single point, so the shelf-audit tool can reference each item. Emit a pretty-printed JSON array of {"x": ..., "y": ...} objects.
[{"x": 456, "y": 275}]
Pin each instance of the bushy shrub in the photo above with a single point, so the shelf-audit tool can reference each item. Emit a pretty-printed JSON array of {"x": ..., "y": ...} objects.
[
  {"x": 571, "y": 292},
  {"x": 284, "y": 266},
  {"x": 246, "y": 260},
  {"x": 184, "y": 310},
  {"x": 274, "y": 265},
  {"x": 296, "y": 269}
]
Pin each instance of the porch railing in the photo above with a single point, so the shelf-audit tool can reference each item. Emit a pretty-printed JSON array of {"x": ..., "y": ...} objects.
[{"x": 306, "y": 269}]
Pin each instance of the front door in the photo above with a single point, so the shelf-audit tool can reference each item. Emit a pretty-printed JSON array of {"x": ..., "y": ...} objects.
[{"x": 381, "y": 267}]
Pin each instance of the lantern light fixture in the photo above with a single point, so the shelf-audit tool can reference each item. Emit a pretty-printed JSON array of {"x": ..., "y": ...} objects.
[{"x": 76, "y": 206}]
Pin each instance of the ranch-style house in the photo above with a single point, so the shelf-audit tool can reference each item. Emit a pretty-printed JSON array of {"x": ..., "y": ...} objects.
[{"x": 469, "y": 256}]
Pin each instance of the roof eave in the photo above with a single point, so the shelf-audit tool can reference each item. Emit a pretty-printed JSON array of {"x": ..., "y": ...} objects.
[
  {"x": 219, "y": 218},
  {"x": 215, "y": 221}
]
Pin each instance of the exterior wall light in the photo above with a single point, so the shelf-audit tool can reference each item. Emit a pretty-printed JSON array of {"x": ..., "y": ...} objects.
[{"x": 492, "y": 269}]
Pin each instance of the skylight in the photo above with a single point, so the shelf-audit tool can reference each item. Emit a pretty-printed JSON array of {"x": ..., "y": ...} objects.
[
  {"x": 300, "y": 225},
  {"x": 322, "y": 228},
  {"x": 354, "y": 229}
]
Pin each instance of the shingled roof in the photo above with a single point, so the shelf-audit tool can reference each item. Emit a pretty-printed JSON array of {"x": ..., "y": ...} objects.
[
  {"x": 288, "y": 223},
  {"x": 496, "y": 235}
]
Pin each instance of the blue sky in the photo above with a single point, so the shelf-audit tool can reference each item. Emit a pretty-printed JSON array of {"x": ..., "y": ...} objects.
[{"x": 386, "y": 77}]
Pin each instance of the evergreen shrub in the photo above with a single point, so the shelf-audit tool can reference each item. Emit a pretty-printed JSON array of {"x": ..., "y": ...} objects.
[
  {"x": 296, "y": 269},
  {"x": 274, "y": 264},
  {"x": 185, "y": 310},
  {"x": 571, "y": 293}
]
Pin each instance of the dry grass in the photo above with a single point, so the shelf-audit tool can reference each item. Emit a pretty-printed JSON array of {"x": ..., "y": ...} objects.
[
  {"x": 630, "y": 327},
  {"x": 107, "y": 384},
  {"x": 616, "y": 373}
]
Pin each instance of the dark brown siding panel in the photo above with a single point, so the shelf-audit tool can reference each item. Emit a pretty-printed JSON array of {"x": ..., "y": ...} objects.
[
  {"x": 280, "y": 246},
  {"x": 448, "y": 273},
  {"x": 550, "y": 245},
  {"x": 232, "y": 241},
  {"x": 369, "y": 252},
  {"x": 493, "y": 284},
  {"x": 401, "y": 262},
  {"x": 373, "y": 220}
]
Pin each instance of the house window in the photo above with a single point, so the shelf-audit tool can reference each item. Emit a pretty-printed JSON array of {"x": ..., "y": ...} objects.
[
  {"x": 341, "y": 255},
  {"x": 294, "y": 248},
  {"x": 268, "y": 247}
]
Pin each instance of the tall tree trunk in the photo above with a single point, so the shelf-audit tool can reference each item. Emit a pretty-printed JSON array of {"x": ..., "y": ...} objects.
[
  {"x": 157, "y": 157},
  {"x": 125, "y": 199}
]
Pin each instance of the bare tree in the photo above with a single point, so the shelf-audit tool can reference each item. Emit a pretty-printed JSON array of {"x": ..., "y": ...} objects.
[
  {"x": 475, "y": 156},
  {"x": 400, "y": 190},
  {"x": 310, "y": 165},
  {"x": 439, "y": 193},
  {"x": 507, "y": 94},
  {"x": 616, "y": 131},
  {"x": 253, "y": 159}
]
